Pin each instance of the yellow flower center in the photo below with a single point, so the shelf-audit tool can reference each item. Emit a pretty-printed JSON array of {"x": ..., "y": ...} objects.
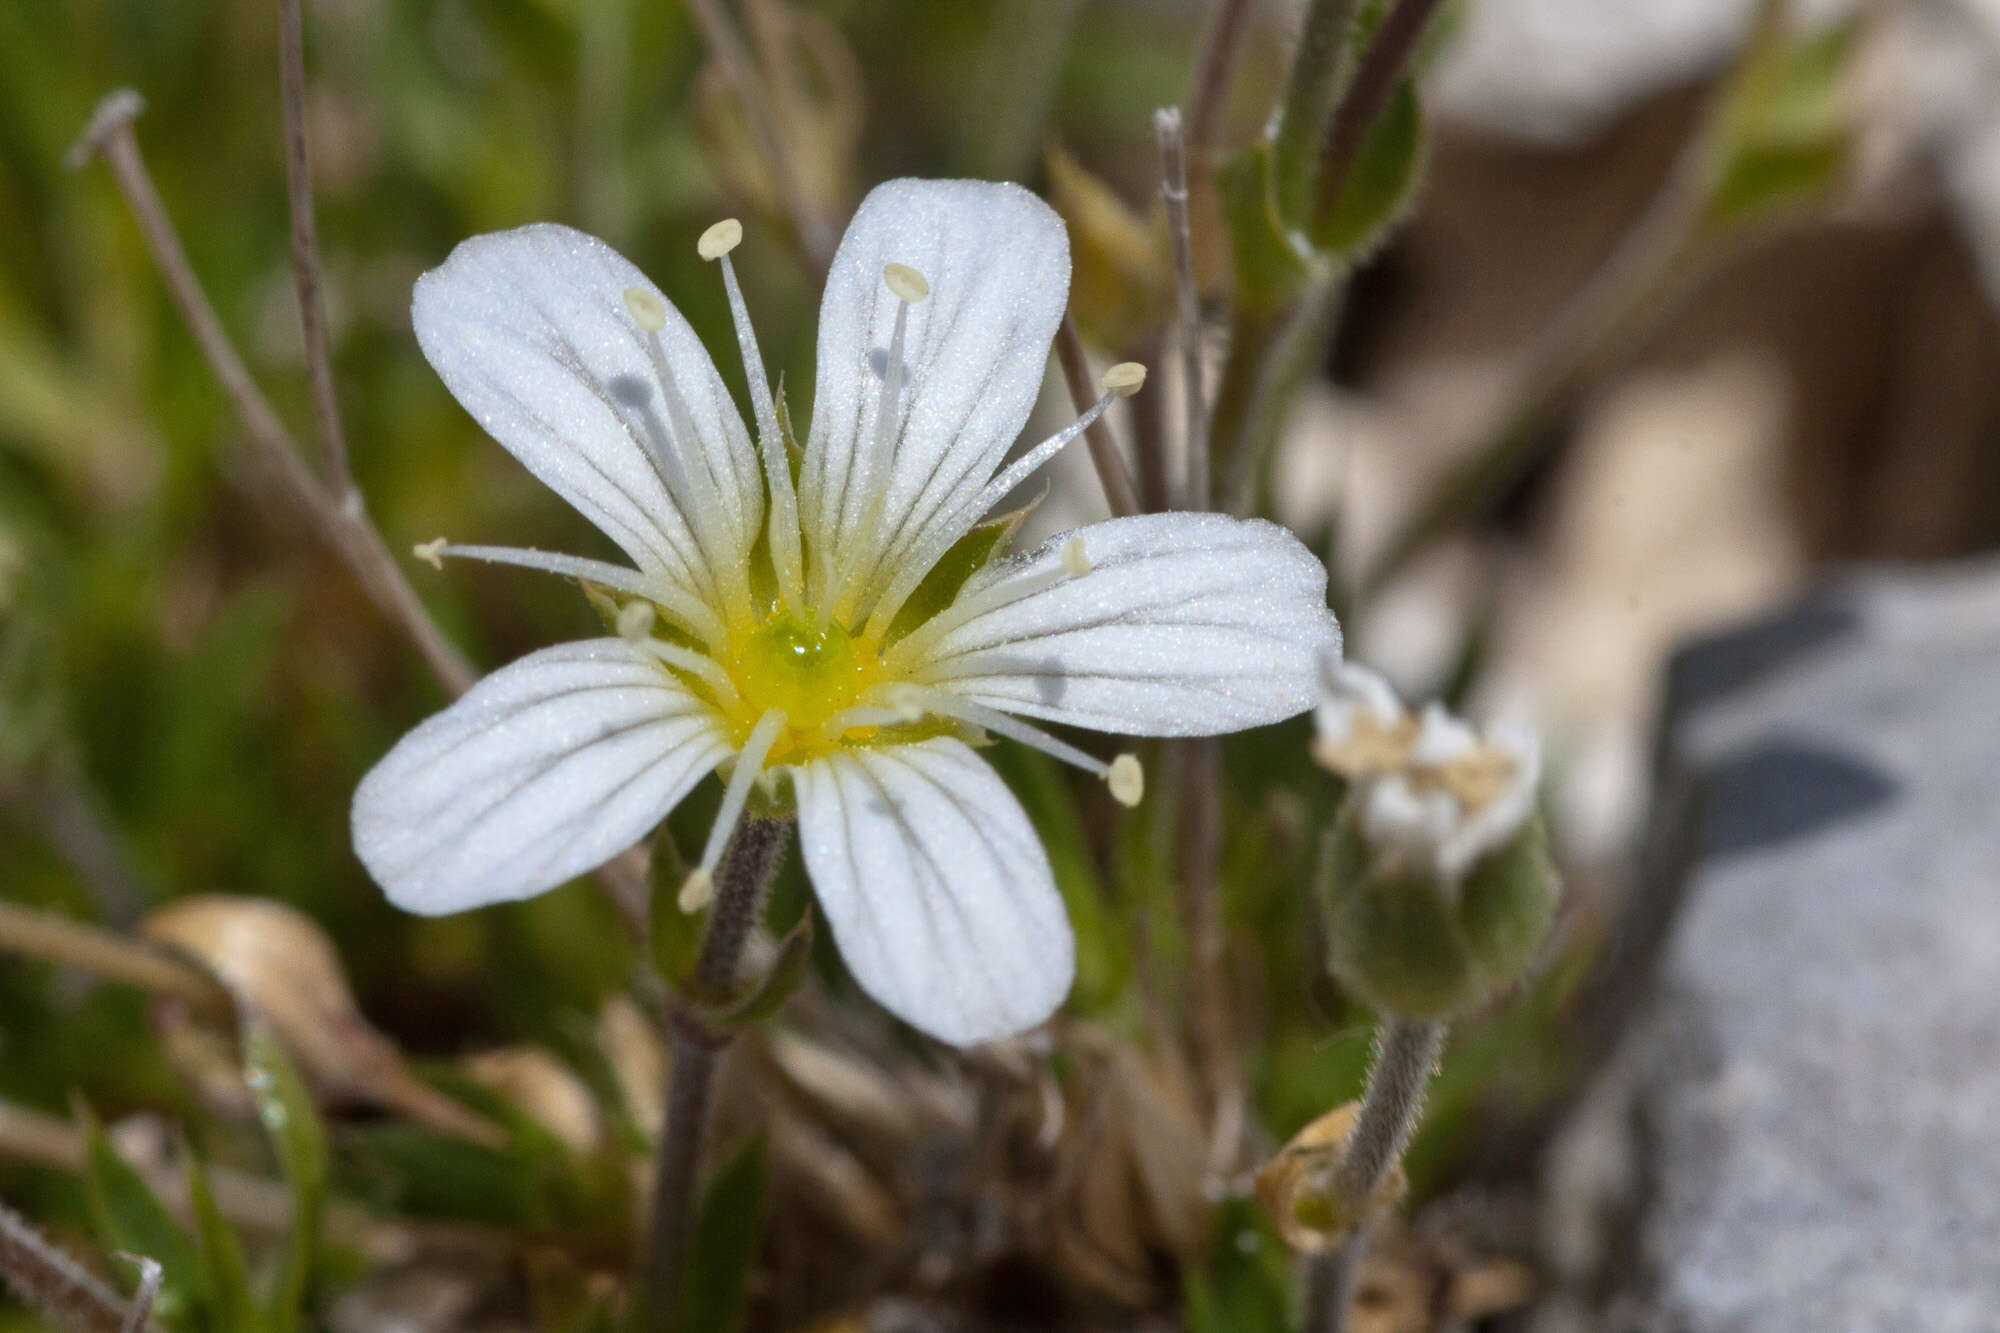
[{"x": 811, "y": 674}]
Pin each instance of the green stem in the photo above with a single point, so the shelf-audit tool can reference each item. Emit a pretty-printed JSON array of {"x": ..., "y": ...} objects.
[
  {"x": 1375, "y": 78},
  {"x": 1317, "y": 67},
  {"x": 1406, "y": 1051}
]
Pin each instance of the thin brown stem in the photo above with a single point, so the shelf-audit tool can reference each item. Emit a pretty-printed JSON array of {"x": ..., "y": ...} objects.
[
  {"x": 1104, "y": 455},
  {"x": 1375, "y": 78},
  {"x": 1220, "y": 46},
  {"x": 1174, "y": 192},
  {"x": 305, "y": 250},
  {"x": 741, "y": 881},
  {"x": 732, "y": 59},
  {"x": 102, "y": 953},
  {"x": 340, "y": 523},
  {"x": 47, "y": 1280}
]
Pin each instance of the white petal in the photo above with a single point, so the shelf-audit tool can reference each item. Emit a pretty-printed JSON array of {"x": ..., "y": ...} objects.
[
  {"x": 1348, "y": 689},
  {"x": 530, "y": 330},
  {"x": 937, "y": 889},
  {"x": 545, "y": 769},
  {"x": 997, "y": 261},
  {"x": 1186, "y": 625}
]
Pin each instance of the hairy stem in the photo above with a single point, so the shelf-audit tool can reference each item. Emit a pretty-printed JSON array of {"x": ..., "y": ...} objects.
[
  {"x": 1317, "y": 67},
  {"x": 742, "y": 879},
  {"x": 1375, "y": 78},
  {"x": 1406, "y": 1051},
  {"x": 1104, "y": 455},
  {"x": 49, "y": 1281},
  {"x": 305, "y": 249}
]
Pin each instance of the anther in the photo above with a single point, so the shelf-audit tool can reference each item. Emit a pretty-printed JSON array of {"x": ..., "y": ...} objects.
[
  {"x": 635, "y": 621},
  {"x": 697, "y": 891},
  {"x": 1074, "y": 561},
  {"x": 1124, "y": 379},
  {"x": 649, "y": 310},
  {"x": 431, "y": 552},
  {"x": 1127, "y": 780},
  {"x": 720, "y": 239},
  {"x": 909, "y": 285}
]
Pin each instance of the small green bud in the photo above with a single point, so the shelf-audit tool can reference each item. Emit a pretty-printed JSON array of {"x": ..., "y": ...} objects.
[{"x": 1408, "y": 943}]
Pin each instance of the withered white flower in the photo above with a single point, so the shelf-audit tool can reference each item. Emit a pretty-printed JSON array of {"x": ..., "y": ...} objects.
[
  {"x": 837, "y": 624},
  {"x": 1427, "y": 785}
]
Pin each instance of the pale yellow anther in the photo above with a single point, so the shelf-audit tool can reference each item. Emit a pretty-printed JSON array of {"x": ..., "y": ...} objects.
[
  {"x": 720, "y": 239},
  {"x": 908, "y": 284},
  {"x": 905, "y": 702},
  {"x": 697, "y": 890},
  {"x": 1124, "y": 379},
  {"x": 1074, "y": 561},
  {"x": 649, "y": 310},
  {"x": 635, "y": 621},
  {"x": 431, "y": 552},
  {"x": 1127, "y": 780}
]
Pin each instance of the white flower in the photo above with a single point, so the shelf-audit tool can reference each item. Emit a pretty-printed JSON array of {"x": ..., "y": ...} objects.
[
  {"x": 1429, "y": 788},
  {"x": 785, "y": 628}
]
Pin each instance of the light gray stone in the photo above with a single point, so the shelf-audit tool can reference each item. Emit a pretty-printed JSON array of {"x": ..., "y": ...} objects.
[{"x": 1808, "y": 1104}]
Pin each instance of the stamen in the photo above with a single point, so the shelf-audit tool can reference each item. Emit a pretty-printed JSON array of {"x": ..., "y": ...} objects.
[
  {"x": 786, "y": 558},
  {"x": 431, "y": 552},
  {"x": 686, "y": 610},
  {"x": 865, "y": 715},
  {"x": 1074, "y": 560},
  {"x": 909, "y": 287},
  {"x": 693, "y": 489},
  {"x": 635, "y": 622},
  {"x": 970, "y": 606},
  {"x": 705, "y": 669},
  {"x": 945, "y": 704},
  {"x": 749, "y": 763},
  {"x": 720, "y": 239},
  {"x": 1127, "y": 780},
  {"x": 1122, "y": 380}
]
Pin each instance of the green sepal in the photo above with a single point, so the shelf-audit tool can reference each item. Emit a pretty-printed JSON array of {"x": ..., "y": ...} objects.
[
  {"x": 673, "y": 937},
  {"x": 1272, "y": 262},
  {"x": 1410, "y": 946},
  {"x": 1507, "y": 904},
  {"x": 286, "y": 1109},
  {"x": 968, "y": 555},
  {"x": 1381, "y": 182},
  {"x": 129, "y": 1216},
  {"x": 787, "y": 970}
]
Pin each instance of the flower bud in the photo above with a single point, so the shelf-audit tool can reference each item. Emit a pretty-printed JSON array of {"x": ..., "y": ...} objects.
[
  {"x": 1409, "y": 944},
  {"x": 1435, "y": 884}
]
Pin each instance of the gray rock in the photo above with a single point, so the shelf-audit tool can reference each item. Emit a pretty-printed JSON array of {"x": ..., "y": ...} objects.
[{"x": 1806, "y": 1110}]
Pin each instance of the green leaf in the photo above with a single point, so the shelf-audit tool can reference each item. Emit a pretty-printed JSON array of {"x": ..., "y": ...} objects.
[
  {"x": 130, "y": 1217},
  {"x": 787, "y": 970},
  {"x": 1784, "y": 129},
  {"x": 221, "y": 1252},
  {"x": 293, "y": 1122},
  {"x": 1246, "y": 1287},
  {"x": 1381, "y": 182},
  {"x": 1272, "y": 262},
  {"x": 724, "y": 1243}
]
